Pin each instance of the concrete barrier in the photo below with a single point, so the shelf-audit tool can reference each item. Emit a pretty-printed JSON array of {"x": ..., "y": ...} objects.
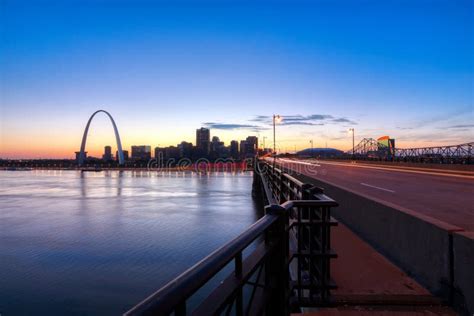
[
  {"x": 436, "y": 254},
  {"x": 420, "y": 248},
  {"x": 463, "y": 250}
]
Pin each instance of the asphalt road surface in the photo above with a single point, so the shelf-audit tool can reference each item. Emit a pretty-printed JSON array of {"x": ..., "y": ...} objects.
[{"x": 447, "y": 196}]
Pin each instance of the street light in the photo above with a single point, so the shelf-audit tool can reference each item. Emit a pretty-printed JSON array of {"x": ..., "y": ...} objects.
[
  {"x": 311, "y": 141},
  {"x": 276, "y": 119},
  {"x": 264, "y": 137},
  {"x": 351, "y": 130}
]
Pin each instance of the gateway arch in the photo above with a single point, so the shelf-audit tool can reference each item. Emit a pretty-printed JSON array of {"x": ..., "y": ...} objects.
[{"x": 84, "y": 139}]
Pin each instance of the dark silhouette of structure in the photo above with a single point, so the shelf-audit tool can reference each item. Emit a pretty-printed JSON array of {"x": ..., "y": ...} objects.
[
  {"x": 203, "y": 138},
  {"x": 107, "y": 154},
  {"x": 142, "y": 152},
  {"x": 82, "y": 156}
]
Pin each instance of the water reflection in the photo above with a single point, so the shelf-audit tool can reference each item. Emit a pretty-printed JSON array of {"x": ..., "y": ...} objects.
[
  {"x": 96, "y": 243},
  {"x": 109, "y": 183}
]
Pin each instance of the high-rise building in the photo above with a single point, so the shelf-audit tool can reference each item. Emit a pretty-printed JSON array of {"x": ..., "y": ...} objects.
[
  {"x": 387, "y": 145},
  {"x": 107, "y": 153},
  {"x": 141, "y": 152},
  {"x": 252, "y": 146},
  {"x": 234, "y": 149},
  {"x": 217, "y": 147},
  {"x": 171, "y": 152},
  {"x": 203, "y": 137},
  {"x": 243, "y": 148},
  {"x": 159, "y": 153},
  {"x": 185, "y": 150}
]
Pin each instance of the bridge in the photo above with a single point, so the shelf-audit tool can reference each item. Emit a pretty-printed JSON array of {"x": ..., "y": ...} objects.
[
  {"x": 298, "y": 257},
  {"x": 371, "y": 148},
  {"x": 288, "y": 266},
  {"x": 422, "y": 219}
]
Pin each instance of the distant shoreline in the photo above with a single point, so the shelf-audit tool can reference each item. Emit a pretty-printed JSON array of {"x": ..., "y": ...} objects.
[{"x": 174, "y": 169}]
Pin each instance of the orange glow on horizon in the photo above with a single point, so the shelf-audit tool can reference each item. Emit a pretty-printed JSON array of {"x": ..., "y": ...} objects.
[{"x": 63, "y": 148}]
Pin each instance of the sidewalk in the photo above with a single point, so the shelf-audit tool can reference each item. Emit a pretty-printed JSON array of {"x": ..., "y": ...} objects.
[{"x": 369, "y": 284}]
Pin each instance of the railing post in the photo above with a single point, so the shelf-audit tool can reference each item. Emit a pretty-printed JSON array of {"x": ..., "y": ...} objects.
[
  {"x": 308, "y": 234},
  {"x": 282, "y": 187},
  {"x": 238, "y": 274},
  {"x": 180, "y": 310},
  {"x": 307, "y": 190},
  {"x": 276, "y": 265},
  {"x": 306, "y": 194}
]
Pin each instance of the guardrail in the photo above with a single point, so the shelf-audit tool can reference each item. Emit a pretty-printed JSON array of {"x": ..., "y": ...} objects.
[
  {"x": 310, "y": 232},
  {"x": 289, "y": 266}
]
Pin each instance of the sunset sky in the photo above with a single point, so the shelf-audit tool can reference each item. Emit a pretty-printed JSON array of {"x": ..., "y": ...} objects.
[{"x": 163, "y": 69}]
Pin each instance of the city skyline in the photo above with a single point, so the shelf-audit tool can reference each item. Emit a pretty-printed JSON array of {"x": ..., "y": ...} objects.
[
  {"x": 104, "y": 137},
  {"x": 162, "y": 70},
  {"x": 203, "y": 147},
  {"x": 238, "y": 157}
]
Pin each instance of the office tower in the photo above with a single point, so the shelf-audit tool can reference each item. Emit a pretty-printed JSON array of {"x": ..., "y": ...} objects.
[
  {"x": 141, "y": 152},
  {"x": 159, "y": 153},
  {"x": 185, "y": 149},
  {"x": 234, "y": 149},
  {"x": 252, "y": 146},
  {"x": 203, "y": 137},
  {"x": 171, "y": 152},
  {"x": 243, "y": 148},
  {"x": 107, "y": 153},
  {"x": 217, "y": 147}
]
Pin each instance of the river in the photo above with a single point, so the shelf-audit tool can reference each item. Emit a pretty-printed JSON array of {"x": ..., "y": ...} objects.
[{"x": 96, "y": 243}]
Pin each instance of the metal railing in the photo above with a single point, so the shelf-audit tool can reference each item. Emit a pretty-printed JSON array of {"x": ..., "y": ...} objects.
[
  {"x": 369, "y": 148},
  {"x": 288, "y": 267},
  {"x": 309, "y": 231}
]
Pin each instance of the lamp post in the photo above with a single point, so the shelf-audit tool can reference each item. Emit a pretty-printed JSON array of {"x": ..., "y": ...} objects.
[
  {"x": 264, "y": 137},
  {"x": 276, "y": 118},
  {"x": 353, "y": 144},
  {"x": 311, "y": 141}
]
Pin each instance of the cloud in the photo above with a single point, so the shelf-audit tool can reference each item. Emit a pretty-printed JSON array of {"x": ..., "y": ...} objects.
[
  {"x": 344, "y": 120},
  {"x": 462, "y": 126},
  {"x": 318, "y": 117},
  {"x": 300, "y": 123},
  {"x": 260, "y": 118},
  {"x": 263, "y": 122},
  {"x": 231, "y": 126},
  {"x": 308, "y": 120}
]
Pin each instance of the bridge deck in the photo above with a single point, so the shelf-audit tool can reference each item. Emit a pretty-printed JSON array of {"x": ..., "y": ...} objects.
[{"x": 443, "y": 196}]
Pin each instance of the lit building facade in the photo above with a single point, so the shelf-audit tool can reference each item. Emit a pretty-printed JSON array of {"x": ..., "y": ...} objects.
[{"x": 141, "y": 152}]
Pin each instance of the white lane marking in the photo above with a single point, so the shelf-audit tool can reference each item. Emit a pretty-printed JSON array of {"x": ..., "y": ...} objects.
[
  {"x": 375, "y": 187},
  {"x": 442, "y": 174},
  {"x": 300, "y": 162}
]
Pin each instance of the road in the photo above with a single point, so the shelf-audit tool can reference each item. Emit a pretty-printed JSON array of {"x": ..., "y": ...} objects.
[{"x": 443, "y": 195}]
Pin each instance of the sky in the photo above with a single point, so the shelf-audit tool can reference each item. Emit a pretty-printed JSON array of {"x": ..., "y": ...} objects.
[{"x": 165, "y": 68}]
